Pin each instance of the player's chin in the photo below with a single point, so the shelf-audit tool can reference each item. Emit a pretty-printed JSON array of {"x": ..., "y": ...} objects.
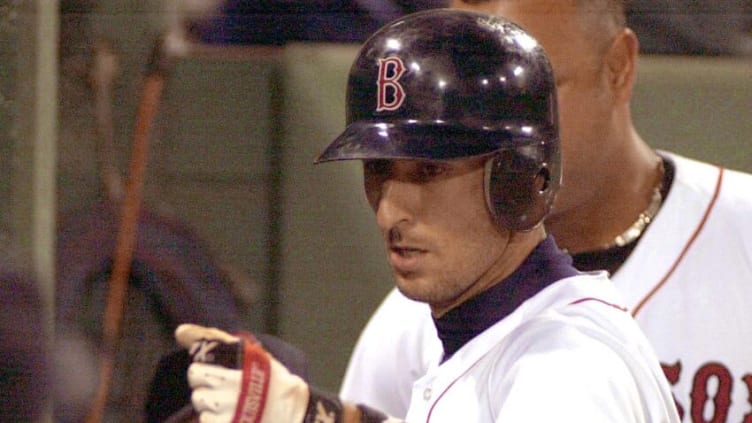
[{"x": 415, "y": 288}]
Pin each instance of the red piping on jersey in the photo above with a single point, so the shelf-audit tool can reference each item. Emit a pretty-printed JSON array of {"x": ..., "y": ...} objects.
[
  {"x": 691, "y": 241},
  {"x": 582, "y": 300},
  {"x": 430, "y": 411}
]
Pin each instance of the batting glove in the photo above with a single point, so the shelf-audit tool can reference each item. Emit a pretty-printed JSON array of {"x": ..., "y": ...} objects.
[{"x": 236, "y": 380}]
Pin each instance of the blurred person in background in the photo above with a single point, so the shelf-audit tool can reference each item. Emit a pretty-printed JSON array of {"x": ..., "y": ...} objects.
[{"x": 24, "y": 368}]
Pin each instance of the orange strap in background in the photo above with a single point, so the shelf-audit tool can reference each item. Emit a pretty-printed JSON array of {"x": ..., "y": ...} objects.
[{"x": 126, "y": 238}]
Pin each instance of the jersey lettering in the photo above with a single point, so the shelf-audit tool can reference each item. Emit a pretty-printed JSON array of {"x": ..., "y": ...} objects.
[
  {"x": 748, "y": 381},
  {"x": 390, "y": 92},
  {"x": 710, "y": 399},
  {"x": 672, "y": 372},
  {"x": 700, "y": 395}
]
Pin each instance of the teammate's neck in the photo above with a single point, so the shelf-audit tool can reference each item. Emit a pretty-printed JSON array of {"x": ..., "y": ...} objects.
[
  {"x": 612, "y": 258},
  {"x": 625, "y": 194}
]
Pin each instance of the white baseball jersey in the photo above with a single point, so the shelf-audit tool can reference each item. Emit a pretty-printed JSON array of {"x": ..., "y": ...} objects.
[
  {"x": 688, "y": 283},
  {"x": 570, "y": 353}
]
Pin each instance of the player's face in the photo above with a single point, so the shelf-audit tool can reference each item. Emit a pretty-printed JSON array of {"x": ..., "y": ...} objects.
[
  {"x": 440, "y": 237},
  {"x": 585, "y": 105}
]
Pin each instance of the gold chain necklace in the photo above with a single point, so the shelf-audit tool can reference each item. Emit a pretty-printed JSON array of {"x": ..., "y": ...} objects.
[{"x": 644, "y": 219}]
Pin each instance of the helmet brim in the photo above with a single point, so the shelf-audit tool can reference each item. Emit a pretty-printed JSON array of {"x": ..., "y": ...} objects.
[{"x": 434, "y": 141}]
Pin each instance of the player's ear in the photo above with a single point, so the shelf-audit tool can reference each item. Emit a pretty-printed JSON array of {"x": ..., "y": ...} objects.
[{"x": 621, "y": 64}]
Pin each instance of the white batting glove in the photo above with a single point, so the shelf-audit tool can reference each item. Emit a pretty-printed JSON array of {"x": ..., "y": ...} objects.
[{"x": 235, "y": 380}]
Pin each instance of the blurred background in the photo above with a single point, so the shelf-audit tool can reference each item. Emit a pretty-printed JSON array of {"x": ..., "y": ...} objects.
[{"x": 236, "y": 227}]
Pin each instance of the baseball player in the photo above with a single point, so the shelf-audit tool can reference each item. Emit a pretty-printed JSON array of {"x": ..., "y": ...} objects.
[
  {"x": 454, "y": 116},
  {"x": 674, "y": 232}
]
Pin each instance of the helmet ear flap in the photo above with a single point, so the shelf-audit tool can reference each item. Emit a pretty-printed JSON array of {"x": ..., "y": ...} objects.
[{"x": 517, "y": 189}]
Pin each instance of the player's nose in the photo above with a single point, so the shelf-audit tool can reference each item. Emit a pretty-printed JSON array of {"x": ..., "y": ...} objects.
[{"x": 396, "y": 203}]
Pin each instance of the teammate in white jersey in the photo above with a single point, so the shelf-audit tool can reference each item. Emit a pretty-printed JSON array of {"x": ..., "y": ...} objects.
[
  {"x": 454, "y": 116},
  {"x": 687, "y": 277}
]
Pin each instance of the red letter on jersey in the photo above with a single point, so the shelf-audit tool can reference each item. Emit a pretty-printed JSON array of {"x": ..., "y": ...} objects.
[
  {"x": 748, "y": 381},
  {"x": 390, "y": 71},
  {"x": 700, "y": 395},
  {"x": 672, "y": 372}
]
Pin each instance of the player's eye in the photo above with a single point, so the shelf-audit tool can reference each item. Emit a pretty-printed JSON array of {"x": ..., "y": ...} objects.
[
  {"x": 427, "y": 171},
  {"x": 376, "y": 168}
]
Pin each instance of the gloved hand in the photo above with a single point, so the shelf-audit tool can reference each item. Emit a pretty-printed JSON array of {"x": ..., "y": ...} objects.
[{"x": 235, "y": 380}]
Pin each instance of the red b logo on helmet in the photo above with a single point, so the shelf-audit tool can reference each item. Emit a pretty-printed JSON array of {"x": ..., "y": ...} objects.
[{"x": 390, "y": 92}]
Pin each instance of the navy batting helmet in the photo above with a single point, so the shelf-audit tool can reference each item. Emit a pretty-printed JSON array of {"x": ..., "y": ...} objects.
[{"x": 446, "y": 84}]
